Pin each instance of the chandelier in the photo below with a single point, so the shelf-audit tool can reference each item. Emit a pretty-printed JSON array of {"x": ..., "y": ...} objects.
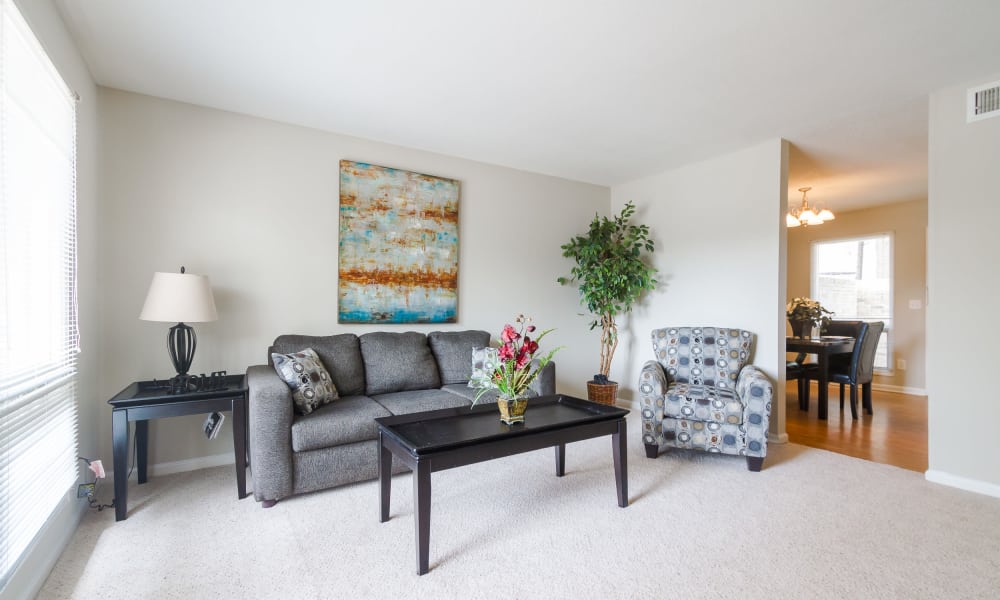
[{"x": 806, "y": 215}]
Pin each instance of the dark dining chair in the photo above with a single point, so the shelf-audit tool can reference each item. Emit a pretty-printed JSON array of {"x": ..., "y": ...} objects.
[
  {"x": 858, "y": 367},
  {"x": 798, "y": 370}
]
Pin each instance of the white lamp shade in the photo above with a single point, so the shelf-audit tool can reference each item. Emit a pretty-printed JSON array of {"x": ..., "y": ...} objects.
[
  {"x": 826, "y": 214},
  {"x": 791, "y": 221},
  {"x": 179, "y": 298}
]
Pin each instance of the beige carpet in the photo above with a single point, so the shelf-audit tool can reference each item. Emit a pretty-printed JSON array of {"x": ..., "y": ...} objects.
[{"x": 812, "y": 524}]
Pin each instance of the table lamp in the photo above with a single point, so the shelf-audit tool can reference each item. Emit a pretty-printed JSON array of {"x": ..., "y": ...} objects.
[{"x": 181, "y": 298}]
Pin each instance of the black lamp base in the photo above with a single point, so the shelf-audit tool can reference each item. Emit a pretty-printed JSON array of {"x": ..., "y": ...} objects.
[{"x": 181, "y": 343}]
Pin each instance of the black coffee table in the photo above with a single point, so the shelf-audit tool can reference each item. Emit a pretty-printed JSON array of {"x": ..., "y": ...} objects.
[{"x": 453, "y": 437}]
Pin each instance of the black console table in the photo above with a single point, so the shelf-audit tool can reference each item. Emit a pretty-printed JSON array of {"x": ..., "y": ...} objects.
[{"x": 145, "y": 400}]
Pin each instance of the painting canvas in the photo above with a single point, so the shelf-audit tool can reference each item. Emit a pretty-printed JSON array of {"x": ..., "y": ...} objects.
[{"x": 398, "y": 246}]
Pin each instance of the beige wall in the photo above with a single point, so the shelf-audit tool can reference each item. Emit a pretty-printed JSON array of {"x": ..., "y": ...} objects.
[
  {"x": 907, "y": 222},
  {"x": 718, "y": 228},
  {"x": 253, "y": 204},
  {"x": 963, "y": 251}
]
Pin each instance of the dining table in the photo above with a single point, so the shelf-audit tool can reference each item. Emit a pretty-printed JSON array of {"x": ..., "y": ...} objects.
[{"x": 823, "y": 347}]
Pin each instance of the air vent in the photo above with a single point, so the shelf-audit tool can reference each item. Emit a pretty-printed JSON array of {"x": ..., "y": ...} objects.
[{"x": 984, "y": 102}]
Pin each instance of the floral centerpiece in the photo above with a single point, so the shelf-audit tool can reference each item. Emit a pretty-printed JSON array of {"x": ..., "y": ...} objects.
[
  {"x": 802, "y": 312},
  {"x": 509, "y": 369}
]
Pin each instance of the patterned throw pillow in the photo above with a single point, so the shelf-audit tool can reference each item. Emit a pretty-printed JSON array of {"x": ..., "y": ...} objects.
[{"x": 311, "y": 384}]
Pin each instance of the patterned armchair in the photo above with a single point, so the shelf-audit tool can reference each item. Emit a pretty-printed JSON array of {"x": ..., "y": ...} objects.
[{"x": 700, "y": 393}]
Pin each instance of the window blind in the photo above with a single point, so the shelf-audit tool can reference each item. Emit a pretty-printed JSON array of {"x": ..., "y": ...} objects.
[{"x": 39, "y": 337}]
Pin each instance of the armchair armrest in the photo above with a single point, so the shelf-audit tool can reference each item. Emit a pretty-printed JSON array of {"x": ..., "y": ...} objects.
[
  {"x": 270, "y": 424},
  {"x": 652, "y": 391},
  {"x": 755, "y": 391}
]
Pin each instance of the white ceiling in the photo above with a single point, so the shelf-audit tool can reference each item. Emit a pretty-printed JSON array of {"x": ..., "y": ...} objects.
[{"x": 594, "y": 90}]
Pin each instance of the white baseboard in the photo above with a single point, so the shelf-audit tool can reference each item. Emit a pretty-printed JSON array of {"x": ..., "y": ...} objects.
[
  {"x": 899, "y": 389},
  {"x": 182, "y": 466},
  {"x": 963, "y": 483}
]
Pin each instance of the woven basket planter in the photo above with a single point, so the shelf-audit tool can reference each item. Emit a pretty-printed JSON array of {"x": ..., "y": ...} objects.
[{"x": 602, "y": 393}]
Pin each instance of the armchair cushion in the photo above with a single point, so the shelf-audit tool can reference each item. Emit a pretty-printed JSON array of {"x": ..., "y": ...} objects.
[
  {"x": 703, "y": 402},
  {"x": 711, "y": 356}
]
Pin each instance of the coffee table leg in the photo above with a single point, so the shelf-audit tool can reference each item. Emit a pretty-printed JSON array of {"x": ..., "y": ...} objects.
[
  {"x": 384, "y": 479},
  {"x": 422, "y": 511},
  {"x": 619, "y": 446},
  {"x": 560, "y": 460}
]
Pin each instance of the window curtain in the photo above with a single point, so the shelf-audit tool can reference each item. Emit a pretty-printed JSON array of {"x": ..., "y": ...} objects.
[{"x": 39, "y": 339}]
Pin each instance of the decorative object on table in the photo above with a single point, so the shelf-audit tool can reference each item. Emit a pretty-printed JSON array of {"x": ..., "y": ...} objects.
[
  {"x": 509, "y": 369},
  {"x": 182, "y": 298},
  {"x": 701, "y": 393},
  {"x": 804, "y": 314},
  {"x": 611, "y": 274},
  {"x": 185, "y": 384},
  {"x": 805, "y": 215},
  {"x": 398, "y": 246}
]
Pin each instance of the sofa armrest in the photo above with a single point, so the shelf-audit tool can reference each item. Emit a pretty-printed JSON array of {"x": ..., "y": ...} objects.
[
  {"x": 652, "y": 393},
  {"x": 545, "y": 383},
  {"x": 755, "y": 391},
  {"x": 270, "y": 423}
]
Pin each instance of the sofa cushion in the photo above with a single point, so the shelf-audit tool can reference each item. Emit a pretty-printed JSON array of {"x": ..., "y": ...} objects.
[
  {"x": 404, "y": 403},
  {"x": 305, "y": 374},
  {"x": 452, "y": 350},
  {"x": 397, "y": 362},
  {"x": 703, "y": 403},
  {"x": 345, "y": 421},
  {"x": 340, "y": 354}
]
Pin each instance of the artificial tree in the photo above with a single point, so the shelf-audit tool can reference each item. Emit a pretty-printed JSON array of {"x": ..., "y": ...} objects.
[{"x": 611, "y": 275}]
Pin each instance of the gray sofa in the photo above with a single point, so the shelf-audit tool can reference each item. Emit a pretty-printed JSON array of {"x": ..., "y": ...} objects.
[{"x": 376, "y": 375}]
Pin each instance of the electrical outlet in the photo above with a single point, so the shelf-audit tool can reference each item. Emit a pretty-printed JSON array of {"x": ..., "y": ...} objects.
[
  {"x": 901, "y": 364},
  {"x": 85, "y": 490}
]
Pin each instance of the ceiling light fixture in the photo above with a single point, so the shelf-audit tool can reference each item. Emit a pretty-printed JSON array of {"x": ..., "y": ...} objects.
[{"x": 806, "y": 215}]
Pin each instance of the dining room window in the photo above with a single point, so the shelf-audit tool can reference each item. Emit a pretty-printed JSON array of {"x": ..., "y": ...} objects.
[{"x": 853, "y": 278}]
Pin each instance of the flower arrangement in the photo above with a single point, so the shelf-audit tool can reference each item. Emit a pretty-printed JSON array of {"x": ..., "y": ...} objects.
[
  {"x": 508, "y": 369},
  {"x": 807, "y": 309}
]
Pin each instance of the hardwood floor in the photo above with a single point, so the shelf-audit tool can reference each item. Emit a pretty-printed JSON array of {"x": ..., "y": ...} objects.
[{"x": 895, "y": 435}]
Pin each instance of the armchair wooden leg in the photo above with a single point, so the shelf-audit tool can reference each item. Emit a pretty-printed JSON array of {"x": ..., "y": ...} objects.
[
  {"x": 652, "y": 450},
  {"x": 754, "y": 463},
  {"x": 841, "y": 397},
  {"x": 854, "y": 402},
  {"x": 866, "y": 397}
]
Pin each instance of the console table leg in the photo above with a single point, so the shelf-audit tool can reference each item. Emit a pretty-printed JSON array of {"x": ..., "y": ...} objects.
[
  {"x": 422, "y": 512},
  {"x": 119, "y": 448},
  {"x": 384, "y": 479},
  {"x": 619, "y": 444},
  {"x": 560, "y": 460},
  {"x": 141, "y": 446}
]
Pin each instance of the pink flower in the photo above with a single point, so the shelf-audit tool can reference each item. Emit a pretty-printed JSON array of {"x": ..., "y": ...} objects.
[
  {"x": 530, "y": 328},
  {"x": 506, "y": 351},
  {"x": 509, "y": 334}
]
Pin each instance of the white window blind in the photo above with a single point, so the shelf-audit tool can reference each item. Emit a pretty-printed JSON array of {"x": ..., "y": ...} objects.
[{"x": 39, "y": 337}]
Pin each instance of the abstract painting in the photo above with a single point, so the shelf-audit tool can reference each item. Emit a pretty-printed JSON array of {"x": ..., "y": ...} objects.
[{"x": 398, "y": 246}]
